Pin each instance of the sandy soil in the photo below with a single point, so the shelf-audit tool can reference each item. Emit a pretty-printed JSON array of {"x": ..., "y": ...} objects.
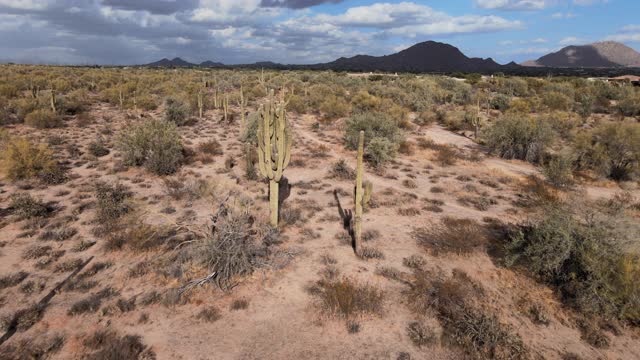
[{"x": 281, "y": 321}]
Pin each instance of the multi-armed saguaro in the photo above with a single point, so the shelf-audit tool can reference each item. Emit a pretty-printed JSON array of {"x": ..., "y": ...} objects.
[
  {"x": 362, "y": 195},
  {"x": 274, "y": 148}
]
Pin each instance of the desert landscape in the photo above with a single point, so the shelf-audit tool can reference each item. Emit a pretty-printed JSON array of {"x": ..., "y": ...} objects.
[{"x": 496, "y": 216}]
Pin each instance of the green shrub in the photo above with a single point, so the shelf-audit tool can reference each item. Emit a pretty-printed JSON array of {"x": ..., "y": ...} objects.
[
  {"x": 379, "y": 151},
  {"x": 22, "y": 160},
  {"x": 43, "y": 119},
  {"x": 334, "y": 107},
  {"x": 154, "y": 144},
  {"x": 375, "y": 125},
  {"x": 630, "y": 105},
  {"x": 611, "y": 149},
  {"x": 517, "y": 137},
  {"x": 111, "y": 201},
  {"x": 582, "y": 254},
  {"x": 175, "y": 111},
  {"x": 24, "y": 206},
  {"x": 500, "y": 102},
  {"x": 559, "y": 170},
  {"x": 555, "y": 100}
]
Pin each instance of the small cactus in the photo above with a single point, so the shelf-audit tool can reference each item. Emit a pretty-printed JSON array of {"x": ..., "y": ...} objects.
[
  {"x": 242, "y": 102},
  {"x": 54, "y": 106},
  {"x": 200, "y": 103},
  {"x": 359, "y": 195}
]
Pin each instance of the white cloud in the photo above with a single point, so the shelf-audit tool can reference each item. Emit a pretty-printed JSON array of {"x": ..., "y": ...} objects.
[
  {"x": 527, "y": 51},
  {"x": 563, "y": 15},
  {"x": 589, "y": 2},
  {"x": 519, "y": 5},
  {"x": 571, "y": 40},
  {"x": 25, "y": 4}
]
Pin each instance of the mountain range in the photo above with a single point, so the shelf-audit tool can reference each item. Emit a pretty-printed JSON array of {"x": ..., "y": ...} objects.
[
  {"x": 432, "y": 56},
  {"x": 606, "y": 54}
]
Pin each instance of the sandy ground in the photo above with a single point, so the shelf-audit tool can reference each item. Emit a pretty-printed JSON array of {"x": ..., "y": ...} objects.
[{"x": 281, "y": 321}]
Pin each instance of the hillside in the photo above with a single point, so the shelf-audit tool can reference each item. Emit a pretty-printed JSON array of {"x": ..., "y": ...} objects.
[{"x": 605, "y": 54}]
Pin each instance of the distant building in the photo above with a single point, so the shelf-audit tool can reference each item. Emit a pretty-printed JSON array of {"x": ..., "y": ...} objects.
[{"x": 625, "y": 79}]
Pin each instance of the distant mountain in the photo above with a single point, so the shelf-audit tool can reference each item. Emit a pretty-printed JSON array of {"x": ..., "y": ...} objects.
[
  {"x": 428, "y": 56},
  {"x": 607, "y": 54},
  {"x": 176, "y": 62}
]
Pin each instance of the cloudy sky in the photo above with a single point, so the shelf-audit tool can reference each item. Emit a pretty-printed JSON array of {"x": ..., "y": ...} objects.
[{"x": 300, "y": 31}]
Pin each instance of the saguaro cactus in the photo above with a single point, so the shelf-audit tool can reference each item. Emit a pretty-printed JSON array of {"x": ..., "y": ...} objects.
[
  {"x": 242, "y": 102},
  {"x": 200, "y": 103},
  {"x": 359, "y": 196},
  {"x": 54, "y": 107},
  {"x": 225, "y": 108},
  {"x": 274, "y": 148}
]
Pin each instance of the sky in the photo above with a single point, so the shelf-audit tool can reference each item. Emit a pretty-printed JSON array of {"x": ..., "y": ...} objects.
[{"x": 123, "y": 32}]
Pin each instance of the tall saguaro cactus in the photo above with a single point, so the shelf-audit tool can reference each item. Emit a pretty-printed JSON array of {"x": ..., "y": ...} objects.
[
  {"x": 359, "y": 196},
  {"x": 274, "y": 148},
  {"x": 53, "y": 100},
  {"x": 242, "y": 102},
  {"x": 200, "y": 103}
]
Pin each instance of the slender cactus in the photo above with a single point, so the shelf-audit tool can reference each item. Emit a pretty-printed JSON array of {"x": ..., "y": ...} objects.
[
  {"x": 359, "y": 198},
  {"x": 200, "y": 103},
  {"x": 121, "y": 97},
  {"x": 242, "y": 102},
  {"x": 225, "y": 107},
  {"x": 54, "y": 107},
  {"x": 274, "y": 148},
  {"x": 215, "y": 98}
]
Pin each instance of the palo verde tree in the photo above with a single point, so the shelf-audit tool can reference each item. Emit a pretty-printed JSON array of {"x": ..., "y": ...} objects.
[{"x": 274, "y": 148}]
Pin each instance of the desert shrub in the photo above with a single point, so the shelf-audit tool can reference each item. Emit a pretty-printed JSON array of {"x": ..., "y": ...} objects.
[
  {"x": 25, "y": 206},
  {"x": 341, "y": 170},
  {"x": 516, "y": 137},
  {"x": 346, "y": 298},
  {"x": 98, "y": 148},
  {"x": 380, "y": 151},
  {"x": 555, "y": 100},
  {"x": 466, "y": 323},
  {"x": 612, "y": 150},
  {"x": 175, "y": 111},
  {"x": 211, "y": 147},
  {"x": 250, "y": 134},
  {"x": 461, "y": 236},
  {"x": 107, "y": 345},
  {"x": 297, "y": 104},
  {"x": 334, "y": 107},
  {"x": 154, "y": 144},
  {"x": 22, "y": 160},
  {"x": 42, "y": 347},
  {"x": 420, "y": 334},
  {"x": 374, "y": 125},
  {"x": 209, "y": 314},
  {"x": 559, "y": 170},
  {"x": 584, "y": 255},
  {"x": 12, "y": 279},
  {"x": 111, "y": 201},
  {"x": 500, "y": 102},
  {"x": 584, "y": 104},
  {"x": 563, "y": 122},
  {"x": 43, "y": 119},
  {"x": 362, "y": 101},
  {"x": 425, "y": 117},
  {"x": 629, "y": 105}
]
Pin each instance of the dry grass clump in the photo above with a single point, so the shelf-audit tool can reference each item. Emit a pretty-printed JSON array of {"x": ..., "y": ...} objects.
[
  {"x": 347, "y": 298},
  {"x": 342, "y": 171},
  {"x": 239, "y": 304},
  {"x": 92, "y": 303},
  {"x": 41, "y": 348},
  {"x": 135, "y": 234},
  {"x": 209, "y": 314},
  {"x": 98, "y": 148},
  {"x": 190, "y": 190},
  {"x": 25, "y": 206},
  {"x": 24, "y": 319},
  {"x": 23, "y": 160},
  {"x": 43, "y": 119},
  {"x": 107, "y": 345},
  {"x": 420, "y": 334},
  {"x": 414, "y": 261},
  {"x": 12, "y": 279},
  {"x": 466, "y": 323},
  {"x": 460, "y": 236},
  {"x": 481, "y": 203},
  {"x": 211, "y": 147},
  {"x": 370, "y": 253}
]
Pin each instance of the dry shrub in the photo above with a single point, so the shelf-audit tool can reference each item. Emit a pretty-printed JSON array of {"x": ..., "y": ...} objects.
[
  {"x": 342, "y": 171},
  {"x": 12, "y": 279},
  {"x": 23, "y": 160},
  {"x": 466, "y": 323},
  {"x": 24, "y": 206},
  {"x": 211, "y": 147},
  {"x": 406, "y": 148},
  {"x": 209, "y": 314},
  {"x": 370, "y": 253},
  {"x": 460, "y": 236},
  {"x": 112, "y": 202},
  {"x": 420, "y": 334},
  {"x": 107, "y": 345},
  {"x": 481, "y": 203},
  {"x": 90, "y": 304},
  {"x": 239, "y": 304},
  {"x": 23, "y": 319},
  {"x": 43, "y": 119},
  {"x": 41, "y": 348},
  {"x": 414, "y": 261},
  {"x": 347, "y": 298},
  {"x": 190, "y": 190},
  {"x": 134, "y": 234}
]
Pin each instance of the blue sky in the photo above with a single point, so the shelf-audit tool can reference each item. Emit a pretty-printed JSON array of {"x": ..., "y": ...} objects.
[{"x": 301, "y": 31}]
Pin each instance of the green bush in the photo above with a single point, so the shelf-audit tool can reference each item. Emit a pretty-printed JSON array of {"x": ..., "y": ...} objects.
[
  {"x": 611, "y": 149},
  {"x": 334, "y": 107},
  {"x": 43, "y": 119},
  {"x": 154, "y": 144},
  {"x": 375, "y": 125},
  {"x": 630, "y": 105},
  {"x": 584, "y": 256},
  {"x": 175, "y": 111},
  {"x": 559, "y": 170},
  {"x": 500, "y": 102},
  {"x": 555, "y": 100},
  {"x": 518, "y": 137},
  {"x": 380, "y": 151}
]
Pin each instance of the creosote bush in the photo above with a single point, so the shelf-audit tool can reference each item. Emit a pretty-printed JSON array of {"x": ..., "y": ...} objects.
[
  {"x": 154, "y": 144},
  {"x": 175, "y": 111},
  {"x": 583, "y": 253},
  {"x": 519, "y": 137},
  {"x": 460, "y": 236},
  {"x": 43, "y": 119}
]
